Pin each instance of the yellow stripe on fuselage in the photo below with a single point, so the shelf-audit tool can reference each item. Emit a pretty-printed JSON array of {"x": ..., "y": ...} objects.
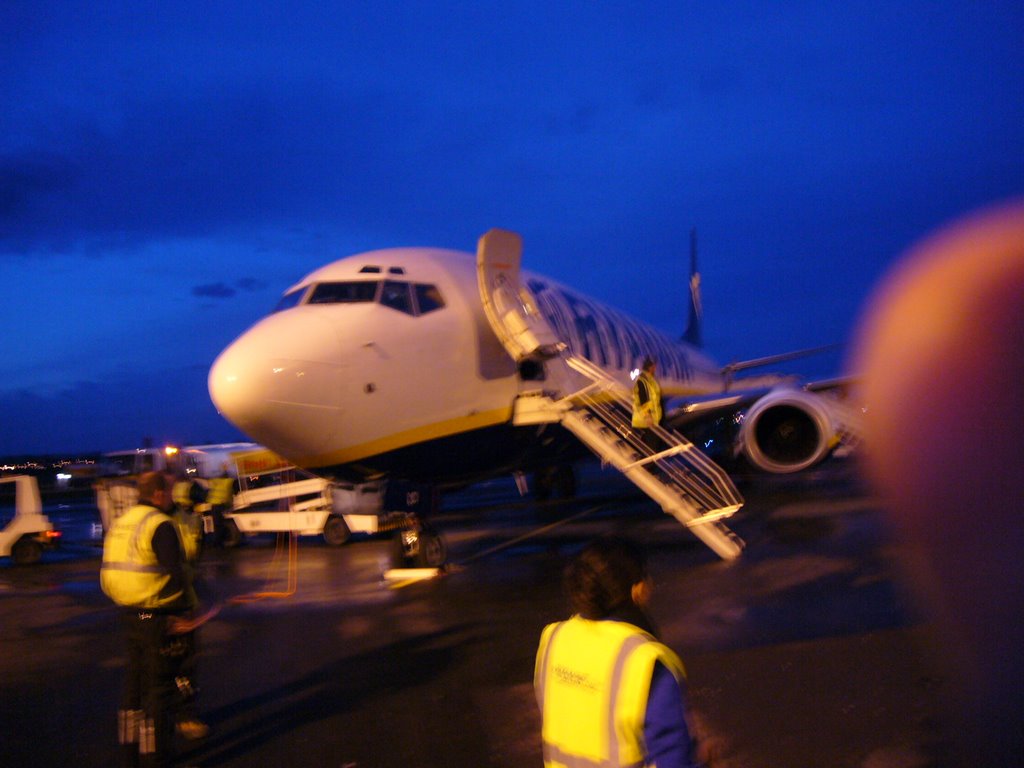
[
  {"x": 440, "y": 429},
  {"x": 409, "y": 437}
]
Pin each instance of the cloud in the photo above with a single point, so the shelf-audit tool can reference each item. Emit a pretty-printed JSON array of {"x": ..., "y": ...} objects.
[
  {"x": 225, "y": 159},
  {"x": 214, "y": 290},
  {"x": 27, "y": 177},
  {"x": 221, "y": 290}
]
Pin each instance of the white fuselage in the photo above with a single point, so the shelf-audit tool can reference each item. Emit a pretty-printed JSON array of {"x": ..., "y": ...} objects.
[{"x": 342, "y": 377}]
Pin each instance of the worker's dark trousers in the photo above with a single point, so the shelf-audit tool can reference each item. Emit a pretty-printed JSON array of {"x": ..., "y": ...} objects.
[
  {"x": 146, "y": 718},
  {"x": 654, "y": 443},
  {"x": 186, "y": 666},
  {"x": 219, "y": 525}
]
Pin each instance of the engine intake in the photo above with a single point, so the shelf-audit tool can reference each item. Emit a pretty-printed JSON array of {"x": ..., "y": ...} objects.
[{"x": 788, "y": 430}]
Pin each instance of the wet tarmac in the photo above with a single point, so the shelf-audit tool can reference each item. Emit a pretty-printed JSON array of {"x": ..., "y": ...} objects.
[{"x": 804, "y": 652}]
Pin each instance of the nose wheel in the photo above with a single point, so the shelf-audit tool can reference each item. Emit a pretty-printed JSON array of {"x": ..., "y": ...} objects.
[{"x": 417, "y": 545}]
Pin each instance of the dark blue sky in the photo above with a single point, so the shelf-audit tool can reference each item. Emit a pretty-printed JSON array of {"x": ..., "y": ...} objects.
[{"x": 167, "y": 169}]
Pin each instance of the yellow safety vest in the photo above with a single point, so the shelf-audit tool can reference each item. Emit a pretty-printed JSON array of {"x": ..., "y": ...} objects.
[
  {"x": 130, "y": 574},
  {"x": 221, "y": 491},
  {"x": 190, "y": 531},
  {"x": 183, "y": 494},
  {"x": 652, "y": 408},
  {"x": 592, "y": 680}
]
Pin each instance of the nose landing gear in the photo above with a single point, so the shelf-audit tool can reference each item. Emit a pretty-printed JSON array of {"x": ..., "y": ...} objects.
[{"x": 417, "y": 545}]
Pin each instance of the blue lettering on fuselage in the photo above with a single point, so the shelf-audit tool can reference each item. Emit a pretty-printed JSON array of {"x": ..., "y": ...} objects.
[{"x": 603, "y": 335}]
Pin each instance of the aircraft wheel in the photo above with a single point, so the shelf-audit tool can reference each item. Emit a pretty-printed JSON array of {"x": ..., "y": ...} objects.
[
  {"x": 433, "y": 551},
  {"x": 558, "y": 479},
  {"x": 336, "y": 531},
  {"x": 26, "y": 552},
  {"x": 419, "y": 549}
]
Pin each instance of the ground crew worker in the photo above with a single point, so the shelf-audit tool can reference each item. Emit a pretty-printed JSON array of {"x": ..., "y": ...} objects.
[
  {"x": 220, "y": 500},
  {"x": 647, "y": 405},
  {"x": 188, "y": 495},
  {"x": 609, "y": 693},
  {"x": 144, "y": 571}
]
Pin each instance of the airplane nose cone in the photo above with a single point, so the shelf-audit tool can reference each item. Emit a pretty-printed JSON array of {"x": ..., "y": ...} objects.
[
  {"x": 279, "y": 383},
  {"x": 237, "y": 383}
]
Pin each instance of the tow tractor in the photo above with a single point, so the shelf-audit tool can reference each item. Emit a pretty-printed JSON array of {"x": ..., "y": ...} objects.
[{"x": 29, "y": 532}]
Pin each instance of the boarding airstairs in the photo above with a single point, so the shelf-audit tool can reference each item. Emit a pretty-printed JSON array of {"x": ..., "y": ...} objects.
[{"x": 597, "y": 408}]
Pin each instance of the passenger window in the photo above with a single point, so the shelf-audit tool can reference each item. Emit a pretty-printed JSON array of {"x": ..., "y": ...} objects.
[
  {"x": 344, "y": 293},
  {"x": 396, "y": 296},
  {"x": 428, "y": 298}
]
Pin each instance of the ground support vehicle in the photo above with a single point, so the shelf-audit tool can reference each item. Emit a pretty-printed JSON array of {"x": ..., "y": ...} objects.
[
  {"x": 302, "y": 504},
  {"x": 273, "y": 496},
  {"x": 287, "y": 501},
  {"x": 29, "y": 531}
]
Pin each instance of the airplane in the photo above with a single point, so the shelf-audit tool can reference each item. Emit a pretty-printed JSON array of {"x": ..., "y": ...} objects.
[{"x": 432, "y": 366}]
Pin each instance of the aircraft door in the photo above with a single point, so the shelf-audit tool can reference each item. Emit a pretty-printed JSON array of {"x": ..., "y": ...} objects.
[{"x": 509, "y": 306}]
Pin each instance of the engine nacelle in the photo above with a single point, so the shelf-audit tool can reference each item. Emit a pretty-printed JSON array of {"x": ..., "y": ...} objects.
[{"x": 788, "y": 430}]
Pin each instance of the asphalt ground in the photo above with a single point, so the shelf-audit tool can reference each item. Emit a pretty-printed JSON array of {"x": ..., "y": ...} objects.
[{"x": 806, "y": 651}]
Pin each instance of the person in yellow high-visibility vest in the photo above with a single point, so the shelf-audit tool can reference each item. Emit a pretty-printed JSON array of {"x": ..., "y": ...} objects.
[
  {"x": 647, "y": 404},
  {"x": 144, "y": 571},
  {"x": 220, "y": 499},
  {"x": 610, "y": 694},
  {"x": 188, "y": 494}
]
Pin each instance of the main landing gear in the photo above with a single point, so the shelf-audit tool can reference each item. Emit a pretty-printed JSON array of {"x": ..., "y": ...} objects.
[{"x": 554, "y": 480}]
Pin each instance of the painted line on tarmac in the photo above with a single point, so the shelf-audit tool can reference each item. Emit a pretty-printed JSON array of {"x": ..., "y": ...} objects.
[
  {"x": 403, "y": 577},
  {"x": 538, "y": 531}
]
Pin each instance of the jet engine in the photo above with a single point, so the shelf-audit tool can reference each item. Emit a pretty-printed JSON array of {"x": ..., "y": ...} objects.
[{"x": 788, "y": 430}]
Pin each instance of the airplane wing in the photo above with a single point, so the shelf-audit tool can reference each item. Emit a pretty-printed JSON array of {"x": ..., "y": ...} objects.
[
  {"x": 779, "y": 425},
  {"x": 681, "y": 410}
]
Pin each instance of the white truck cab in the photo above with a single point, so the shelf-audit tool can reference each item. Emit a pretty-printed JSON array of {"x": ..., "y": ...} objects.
[{"x": 24, "y": 537}]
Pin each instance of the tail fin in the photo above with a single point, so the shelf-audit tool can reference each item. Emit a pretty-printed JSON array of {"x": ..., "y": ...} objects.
[{"x": 693, "y": 334}]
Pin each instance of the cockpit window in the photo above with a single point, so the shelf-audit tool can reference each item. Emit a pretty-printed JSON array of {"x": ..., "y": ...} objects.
[
  {"x": 428, "y": 298},
  {"x": 396, "y": 296},
  {"x": 344, "y": 293},
  {"x": 411, "y": 298},
  {"x": 290, "y": 300}
]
